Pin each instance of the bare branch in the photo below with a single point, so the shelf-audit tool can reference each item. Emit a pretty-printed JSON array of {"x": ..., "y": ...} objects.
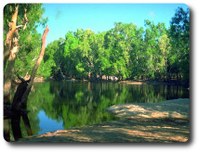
[
  {"x": 20, "y": 78},
  {"x": 19, "y": 26},
  {"x": 25, "y": 20}
]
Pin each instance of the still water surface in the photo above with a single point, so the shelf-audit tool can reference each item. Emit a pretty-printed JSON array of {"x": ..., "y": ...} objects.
[{"x": 62, "y": 105}]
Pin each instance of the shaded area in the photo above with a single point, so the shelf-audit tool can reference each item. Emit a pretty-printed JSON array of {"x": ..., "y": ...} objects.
[
  {"x": 128, "y": 128},
  {"x": 151, "y": 130}
]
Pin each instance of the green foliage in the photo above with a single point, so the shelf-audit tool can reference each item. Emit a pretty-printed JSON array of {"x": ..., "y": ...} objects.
[
  {"x": 30, "y": 39},
  {"x": 125, "y": 51},
  {"x": 179, "y": 33},
  {"x": 129, "y": 52}
]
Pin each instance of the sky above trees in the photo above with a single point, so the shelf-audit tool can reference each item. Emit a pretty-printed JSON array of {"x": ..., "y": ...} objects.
[{"x": 101, "y": 17}]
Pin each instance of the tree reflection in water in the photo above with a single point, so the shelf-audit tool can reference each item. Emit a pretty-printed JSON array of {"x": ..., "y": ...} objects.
[{"x": 76, "y": 104}]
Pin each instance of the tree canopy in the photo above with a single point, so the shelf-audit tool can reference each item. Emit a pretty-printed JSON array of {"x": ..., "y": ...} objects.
[
  {"x": 126, "y": 51},
  {"x": 30, "y": 39}
]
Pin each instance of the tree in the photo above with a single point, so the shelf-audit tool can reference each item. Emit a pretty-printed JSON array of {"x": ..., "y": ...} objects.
[
  {"x": 137, "y": 61},
  {"x": 29, "y": 38},
  {"x": 23, "y": 15},
  {"x": 180, "y": 40},
  {"x": 125, "y": 51},
  {"x": 119, "y": 41},
  {"x": 12, "y": 46},
  {"x": 153, "y": 53},
  {"x": 165, "y": 47}
]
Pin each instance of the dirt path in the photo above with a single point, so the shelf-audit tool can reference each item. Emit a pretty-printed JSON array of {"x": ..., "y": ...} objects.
[{"x": 165, "y": 122}]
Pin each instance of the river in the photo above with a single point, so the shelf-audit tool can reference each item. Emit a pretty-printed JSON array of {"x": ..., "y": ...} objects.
[{"x": 62, "y": 105}]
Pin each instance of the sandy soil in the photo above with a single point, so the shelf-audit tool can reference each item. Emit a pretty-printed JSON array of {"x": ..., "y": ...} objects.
[
  {"x": 132, "y": 82},
  {"x": 177, "y": 109},
  {"x": 166, "y": 122}
]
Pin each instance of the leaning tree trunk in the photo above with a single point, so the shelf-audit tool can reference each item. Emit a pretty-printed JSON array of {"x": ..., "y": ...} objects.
[
  {"x": 41, "y": 55},
  {"x": 19, "y": 105}
]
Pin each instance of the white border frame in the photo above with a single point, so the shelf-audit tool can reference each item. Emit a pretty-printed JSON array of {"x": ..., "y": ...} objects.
[{"x": 194, "y": 143}]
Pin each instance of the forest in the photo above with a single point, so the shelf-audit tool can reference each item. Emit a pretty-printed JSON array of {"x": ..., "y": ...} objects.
[{"x": 125, "y": 52}]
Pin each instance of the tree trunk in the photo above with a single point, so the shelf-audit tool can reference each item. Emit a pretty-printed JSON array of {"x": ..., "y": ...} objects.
[
  {"x": 41, "y": 55},
  {"x": 10, "y": 49},
  {"x": 19, "y": 104}
]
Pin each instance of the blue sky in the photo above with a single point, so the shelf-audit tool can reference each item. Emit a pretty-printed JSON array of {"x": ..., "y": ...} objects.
[{"x": 101, "y": 17}]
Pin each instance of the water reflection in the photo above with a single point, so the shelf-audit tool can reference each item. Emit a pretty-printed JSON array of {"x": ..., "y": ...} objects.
[
  {"x": 61, "y": 105},
  {"x": 48, "y": 124}
]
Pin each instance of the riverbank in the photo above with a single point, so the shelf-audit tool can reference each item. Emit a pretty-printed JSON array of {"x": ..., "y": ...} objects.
[
  {"x": 130, "y": 82},
  {"x": 155, "y": 82},
  {"x": 165, "y": 122}
]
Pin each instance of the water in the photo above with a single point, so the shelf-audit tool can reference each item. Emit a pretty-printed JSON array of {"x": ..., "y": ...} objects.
[{"x": 62, "y": 105}]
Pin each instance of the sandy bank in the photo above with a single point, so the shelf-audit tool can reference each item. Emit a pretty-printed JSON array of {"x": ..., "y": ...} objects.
[{"x": 176, "y": 109}]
